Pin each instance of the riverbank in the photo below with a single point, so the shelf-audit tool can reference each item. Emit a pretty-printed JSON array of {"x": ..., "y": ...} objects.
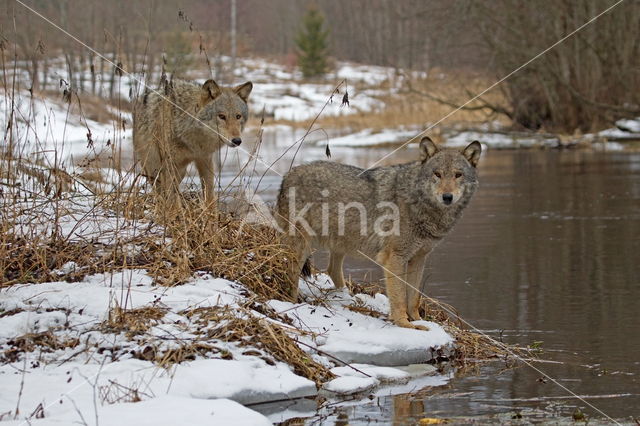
[
  {"x": 71, "y": 351},
  {"x": 107, "y": 313}
]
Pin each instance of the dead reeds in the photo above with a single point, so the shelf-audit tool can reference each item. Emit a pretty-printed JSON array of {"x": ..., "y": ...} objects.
[
  {"x": 133, "y": 321},
  {"x": 264, "y": 334},
  {"x": 471, "y": 346},
  {"x": 46, "y": 341},
  {"x": 205, "y": 239}
]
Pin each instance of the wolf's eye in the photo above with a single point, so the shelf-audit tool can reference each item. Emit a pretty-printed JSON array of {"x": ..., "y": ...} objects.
[
  {"x": 238, "y": 116},
  {"x": 438, "y": 174},
  {"x": 458, "y": 174},
  {"x": 222, "y": 117}
]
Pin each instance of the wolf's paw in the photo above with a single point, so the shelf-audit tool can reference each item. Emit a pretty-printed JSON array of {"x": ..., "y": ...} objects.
[
  {"x": 420, "y": 327},
  {"x": 407, "y": 324},
  {"x": 414, "y": 316}
]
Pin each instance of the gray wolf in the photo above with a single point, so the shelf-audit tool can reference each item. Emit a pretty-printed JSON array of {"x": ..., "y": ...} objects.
[
  {"x": 187, "y": 125},
  {"x": 395, "y": 215}
]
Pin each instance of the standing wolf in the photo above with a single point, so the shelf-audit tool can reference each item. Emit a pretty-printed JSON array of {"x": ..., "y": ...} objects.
[
  {"x": 187, "y": 125},
  {"x": 395, "y": 215}
]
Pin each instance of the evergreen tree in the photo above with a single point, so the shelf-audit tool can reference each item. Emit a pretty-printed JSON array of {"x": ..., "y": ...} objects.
[{"x": 312, "y": 44}]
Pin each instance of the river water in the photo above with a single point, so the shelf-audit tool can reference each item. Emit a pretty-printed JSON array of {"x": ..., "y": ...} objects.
[{"x": 548, "y": 251}]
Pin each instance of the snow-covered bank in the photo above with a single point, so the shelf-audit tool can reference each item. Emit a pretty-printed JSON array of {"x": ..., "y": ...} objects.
[
  {"x": 502, "y": 140},
  {"x": 369, "y": 137},
  {"x": 59, "y": 354},
  {"x": 49, "y": 129},
  {"x": 101, "y": 340},
  {"x": 356, "y": 338},
  {"x": 494, "y": 136},
  {"x": 609, "y": 139},
  {"x": 284, "y": 95}
]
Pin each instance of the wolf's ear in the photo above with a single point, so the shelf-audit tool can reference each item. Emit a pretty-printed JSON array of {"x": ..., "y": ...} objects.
[
  {"x": 244, "y": 90},
  {"x": 211, "y": 89},
  {"x": 472, "y": 153},
  {"x": 427, "y": 148}
]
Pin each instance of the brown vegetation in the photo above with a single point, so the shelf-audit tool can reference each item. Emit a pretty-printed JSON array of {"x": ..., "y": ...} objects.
[{"x": 422, "y": 102}]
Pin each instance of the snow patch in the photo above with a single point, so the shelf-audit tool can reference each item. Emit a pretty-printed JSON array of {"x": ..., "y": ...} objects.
[
  {"x": 501, "y": 140},
  {"x": 353, "y": 337},
  {"x": 348, "y": 385},
  {"x": 370, "y": 137}
]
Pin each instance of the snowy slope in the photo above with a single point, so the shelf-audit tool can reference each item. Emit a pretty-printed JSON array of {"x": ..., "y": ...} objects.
[{"x": 92, "y": 377}]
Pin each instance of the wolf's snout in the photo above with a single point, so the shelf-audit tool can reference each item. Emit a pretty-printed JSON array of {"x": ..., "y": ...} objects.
[
  {"x": 447, "y": 198},
  {"x": 236, "y": 141}
]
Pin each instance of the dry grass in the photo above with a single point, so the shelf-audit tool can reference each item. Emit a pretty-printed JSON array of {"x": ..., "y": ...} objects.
[
  {"x": 265, "y": 334},
  {"x": 34, "y": 260},
  {"x": 365, "y": 310},
  {"x": 96, "y": 108},
  {"x": 115, "y": 393},
  {"x": 198, "y": 237},
  {"x": 471, "y": 346},
  {"x": 195, "y": 237},
  {"x": 46, "y": 341},
  {"x": 132, "y": 322},
  {"x": 410, "y": 107},
  {"x": 243, "y": 252},
  {"x": 213, "y": 328}
]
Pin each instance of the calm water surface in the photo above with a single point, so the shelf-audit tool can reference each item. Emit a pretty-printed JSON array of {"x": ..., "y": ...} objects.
[{"x": 548, "y": 251}]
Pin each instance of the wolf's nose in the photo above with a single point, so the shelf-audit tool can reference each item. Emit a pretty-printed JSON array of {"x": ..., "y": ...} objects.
[
  {"x": 447, "y": 198},
  {"x": 236, "y": 141}
]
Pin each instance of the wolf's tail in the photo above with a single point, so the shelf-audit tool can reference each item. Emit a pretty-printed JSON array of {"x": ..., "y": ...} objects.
[{"x": 306, "y": 268}]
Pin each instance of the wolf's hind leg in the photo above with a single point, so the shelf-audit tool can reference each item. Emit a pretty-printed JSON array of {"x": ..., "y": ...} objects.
[
  {"x": 335, "y": 269},
  {"x": 300, "y": 250}
]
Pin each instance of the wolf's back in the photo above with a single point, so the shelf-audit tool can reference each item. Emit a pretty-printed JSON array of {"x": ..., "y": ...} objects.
[{"x": 327, "y": 181}]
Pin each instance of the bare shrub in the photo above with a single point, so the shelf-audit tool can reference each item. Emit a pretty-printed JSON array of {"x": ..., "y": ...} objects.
[{"x": 585, "y": 83}]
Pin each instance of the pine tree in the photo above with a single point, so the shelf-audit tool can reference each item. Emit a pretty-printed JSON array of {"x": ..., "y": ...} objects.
[{"x": 312, "y": 44}]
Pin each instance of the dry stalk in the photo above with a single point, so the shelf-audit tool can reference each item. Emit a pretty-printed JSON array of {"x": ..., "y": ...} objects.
[
  {"x": 45, "y": 341},
  {"x": 132, "y": 321},
  {"x": 261, "y": 333}
]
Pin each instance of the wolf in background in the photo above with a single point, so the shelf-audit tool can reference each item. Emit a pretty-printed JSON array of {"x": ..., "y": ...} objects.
[
  {"x": 395, "y": 215},
  {"x": 188, "y": 124}
]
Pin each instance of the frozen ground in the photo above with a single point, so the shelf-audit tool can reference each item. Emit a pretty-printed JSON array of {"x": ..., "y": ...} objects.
[
  {"x": 369, "y": 137},
  {"x": 54, "y": 131},
  {"x": 503, "y": 140},
  {"x": 96, "y": 376}
]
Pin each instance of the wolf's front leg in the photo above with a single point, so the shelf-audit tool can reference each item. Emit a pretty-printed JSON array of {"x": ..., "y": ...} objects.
[
  {"x": 205, "y": 170},
  {"x": 415, "y": 270},
  {"x": 395, "y": 278}
]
